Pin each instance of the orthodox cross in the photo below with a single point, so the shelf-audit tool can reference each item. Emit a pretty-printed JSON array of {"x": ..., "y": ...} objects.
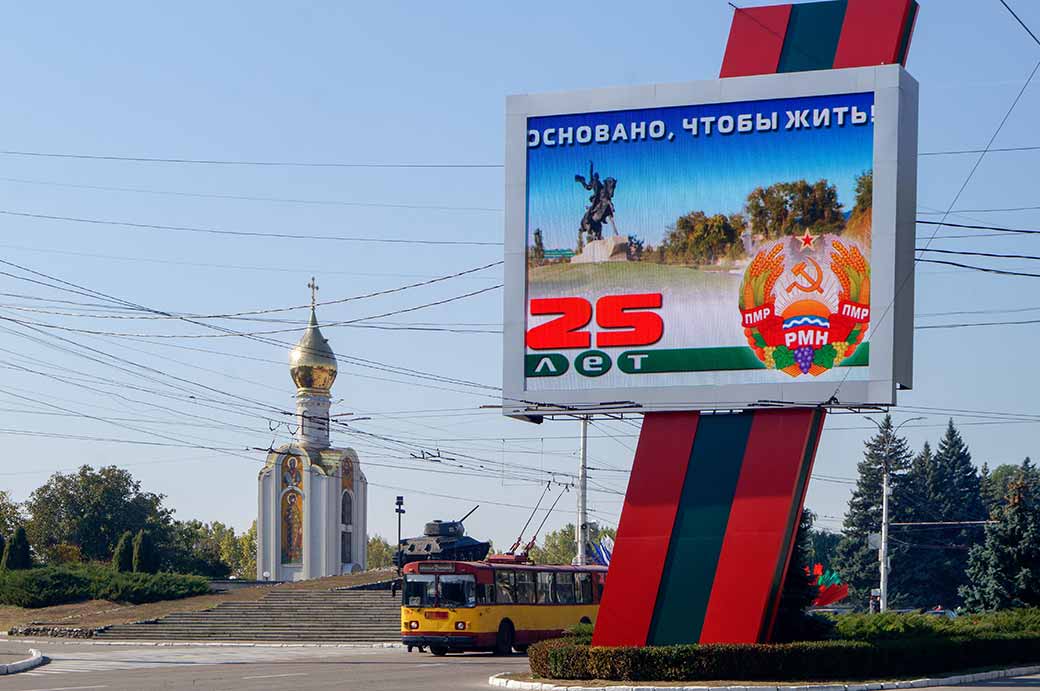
[{"x": 314, "y": 292}]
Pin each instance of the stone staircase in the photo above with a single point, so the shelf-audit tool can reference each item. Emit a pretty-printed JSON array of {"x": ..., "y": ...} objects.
[{"x": 284, "y": 614}]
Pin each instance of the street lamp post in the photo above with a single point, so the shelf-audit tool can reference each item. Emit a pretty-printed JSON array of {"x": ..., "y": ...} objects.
[
  {"x": 886, "y": 490},
  {"x": 400, "y": 512}
]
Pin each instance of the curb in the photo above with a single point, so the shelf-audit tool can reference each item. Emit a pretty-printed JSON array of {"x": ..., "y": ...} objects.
[
  {"x": 35, "y": 659},
  {"x": 200, "y": 644},
  {"x": 499, "y": 681}
]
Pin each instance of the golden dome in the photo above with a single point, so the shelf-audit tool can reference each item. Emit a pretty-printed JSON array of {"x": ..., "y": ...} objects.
[{"x": 312, "y": 363}]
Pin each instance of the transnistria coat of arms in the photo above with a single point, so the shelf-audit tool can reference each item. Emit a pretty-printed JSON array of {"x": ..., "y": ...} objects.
[{"x": 805, "y": 303}]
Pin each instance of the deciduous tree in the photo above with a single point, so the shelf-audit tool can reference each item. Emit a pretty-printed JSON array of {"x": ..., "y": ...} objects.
[
  {"x": 91, "y": 509},
  {"x": 380, "y": 553},
  {"x": 11, "y": 514}
]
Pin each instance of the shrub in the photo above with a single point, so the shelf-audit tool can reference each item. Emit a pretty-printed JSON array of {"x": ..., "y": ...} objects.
[
  {"x": 818, "y": 660},
  {"x": 581, "y": 633},
  {"x": 16, "y": 552},
  {"x": 43, "y": 587},
  {"x": 890, "y": 626},
  {"x": 1021, "y": 620},
  {"x": 569, "y": 661},
  {"x": 57, "y": 585},
  {"x": 138, "y": 588},
  {"x": 146, "y": 560},
  {"x": 538, "y": 654},
  {"x": 123, "y": 556}
]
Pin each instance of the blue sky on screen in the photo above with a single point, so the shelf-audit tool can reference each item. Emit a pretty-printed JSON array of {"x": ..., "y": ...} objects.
[{"x": 662, "y": 179}]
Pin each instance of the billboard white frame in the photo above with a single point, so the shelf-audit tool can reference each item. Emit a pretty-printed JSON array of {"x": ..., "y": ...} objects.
[{"x": 892, "y": 253}]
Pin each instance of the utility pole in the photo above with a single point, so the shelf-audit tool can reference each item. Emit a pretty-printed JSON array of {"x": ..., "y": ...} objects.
[
  {"x": 886, "y": 490},
  {"x": 883, "y": 553},
  {"x": 583, "y": 519},
  {"x": 400, "y": 512}
]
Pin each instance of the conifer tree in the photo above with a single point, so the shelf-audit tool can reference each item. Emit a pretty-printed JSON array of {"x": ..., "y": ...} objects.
[
  {"x": 855, "y": 560},
  {"x": 954, "y": 494},
  {"x": 145, "y": 558},
  {"x": 799, "y": 586},
  {"x": 16, "y": 552},
  {"x": 1004, "y": 571},
  {"x": 123, "y": 556},
  {"x": 910, "y": 502}
]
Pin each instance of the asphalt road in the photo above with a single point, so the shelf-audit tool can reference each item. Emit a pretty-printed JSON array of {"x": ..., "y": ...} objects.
[{"x": 80, "y": 667}]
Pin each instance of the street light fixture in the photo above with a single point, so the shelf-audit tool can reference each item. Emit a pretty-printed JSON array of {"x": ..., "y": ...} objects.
[
  {"x": 886, "y": 489},
  {"x": 400, "y": 512}
]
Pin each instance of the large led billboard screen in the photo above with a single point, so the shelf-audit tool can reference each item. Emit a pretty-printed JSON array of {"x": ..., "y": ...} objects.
[{"x": 711, "y": 245}]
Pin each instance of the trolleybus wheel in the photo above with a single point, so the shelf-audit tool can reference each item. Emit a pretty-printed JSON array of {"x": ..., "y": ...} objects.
[
  {"x": 504, "y": 640},
  {"x": 439, "y": 650}
]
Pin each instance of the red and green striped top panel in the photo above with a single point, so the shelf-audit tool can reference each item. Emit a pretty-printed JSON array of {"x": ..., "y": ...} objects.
[
  {"x": 818, "y": 36},
  {"x": 756, "y": 39},
  {"x": 875, "y": 32}
]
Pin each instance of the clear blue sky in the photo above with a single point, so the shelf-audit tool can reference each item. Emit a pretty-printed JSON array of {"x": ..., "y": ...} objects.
[
  {"x": 660, "y": 180},
  {"x": 409, "y": 83}
]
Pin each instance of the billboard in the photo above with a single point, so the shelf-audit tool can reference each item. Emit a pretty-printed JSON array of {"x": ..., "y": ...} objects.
[{"x": 711, "y": 245}]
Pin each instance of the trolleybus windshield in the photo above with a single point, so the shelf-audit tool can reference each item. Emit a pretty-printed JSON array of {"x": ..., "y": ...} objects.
[{"x": 427, "y": 590}]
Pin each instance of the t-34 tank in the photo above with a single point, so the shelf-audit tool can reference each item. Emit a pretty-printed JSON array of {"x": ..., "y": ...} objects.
[{"x": 445, "y": 540}]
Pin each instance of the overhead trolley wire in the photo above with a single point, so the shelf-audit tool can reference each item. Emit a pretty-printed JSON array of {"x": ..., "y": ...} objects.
[{"x": 245, "y": 233}]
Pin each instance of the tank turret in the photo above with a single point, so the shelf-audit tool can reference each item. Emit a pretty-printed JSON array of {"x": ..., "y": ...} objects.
[{"x": 443, "y": 540}]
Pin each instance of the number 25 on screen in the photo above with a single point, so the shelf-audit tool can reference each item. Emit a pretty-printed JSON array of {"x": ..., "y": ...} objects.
[{"x": 625, "y": 318}]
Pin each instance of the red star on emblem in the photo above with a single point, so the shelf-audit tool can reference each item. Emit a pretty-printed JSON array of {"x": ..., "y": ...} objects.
[{"x": 807, "y": 239}]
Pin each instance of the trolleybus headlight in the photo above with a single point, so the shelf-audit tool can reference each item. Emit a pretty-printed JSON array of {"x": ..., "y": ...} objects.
[
  {"x": 413, "y": 625},
  {"x": 460, "y": 626}
]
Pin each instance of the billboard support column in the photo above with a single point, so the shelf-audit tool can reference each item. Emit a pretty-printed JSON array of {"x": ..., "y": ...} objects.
[
  {"x": 708, "y": 527},
  {"x": 583, "y": 518}
]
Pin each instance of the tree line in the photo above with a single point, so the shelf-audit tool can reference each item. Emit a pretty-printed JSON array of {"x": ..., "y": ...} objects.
[
  {"x": 779, "y": 210},
  {"x": 103, "y": 515},
  {"x": 990, "y": 561}
]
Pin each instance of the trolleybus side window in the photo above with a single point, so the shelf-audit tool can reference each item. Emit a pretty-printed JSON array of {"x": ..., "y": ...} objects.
[
  {"x": 525, "y": 587},
  {"x": 420, "y": 590},
  {"x": 485, "y": 593},
  {"x": 503, "y": 586},
  {"x": 545, "y": 588},
  {"x": 564, "y": 589},
  {"x": 583, "y": 588},
  {"x": 457, "y": 591}
]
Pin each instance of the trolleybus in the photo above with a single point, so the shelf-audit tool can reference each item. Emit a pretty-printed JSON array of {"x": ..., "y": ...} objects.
[{"x": 463, "y": 605}]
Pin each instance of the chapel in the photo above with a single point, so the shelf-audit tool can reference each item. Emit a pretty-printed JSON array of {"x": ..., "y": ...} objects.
[{"x": 311, "y": 519}]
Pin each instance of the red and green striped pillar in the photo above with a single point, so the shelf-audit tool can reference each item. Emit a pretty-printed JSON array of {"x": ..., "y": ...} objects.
[
  {"x": 819, "y": 36},
  {"x": 708, "y": 526}
]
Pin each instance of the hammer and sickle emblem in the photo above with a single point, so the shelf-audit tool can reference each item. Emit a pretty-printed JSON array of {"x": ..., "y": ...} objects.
[{"x": 815, "y": 282}]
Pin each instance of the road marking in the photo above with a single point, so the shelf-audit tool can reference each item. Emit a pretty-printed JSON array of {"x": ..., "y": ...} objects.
[
  {"x": 70, "y": 688},
  {"x": 276, "y": 676}
]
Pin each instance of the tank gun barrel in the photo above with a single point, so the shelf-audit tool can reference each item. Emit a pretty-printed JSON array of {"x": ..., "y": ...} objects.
[{"x": 469, "y": 514}]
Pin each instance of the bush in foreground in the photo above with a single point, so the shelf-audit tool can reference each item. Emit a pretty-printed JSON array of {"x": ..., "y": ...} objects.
[
  {"x": 566, "y": 659},
  {"x": 47, "y": 586}
]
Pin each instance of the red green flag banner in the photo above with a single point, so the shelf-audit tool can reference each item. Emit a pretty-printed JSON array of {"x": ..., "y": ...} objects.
[{"x": 819, "y": 36}]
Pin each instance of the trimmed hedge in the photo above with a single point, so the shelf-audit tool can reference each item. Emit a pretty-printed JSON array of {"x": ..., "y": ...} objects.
[
  {"x": 821, "y": 660},
  {"x": 890, "y": 626},
  {"x": 59, "y": 585}
]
